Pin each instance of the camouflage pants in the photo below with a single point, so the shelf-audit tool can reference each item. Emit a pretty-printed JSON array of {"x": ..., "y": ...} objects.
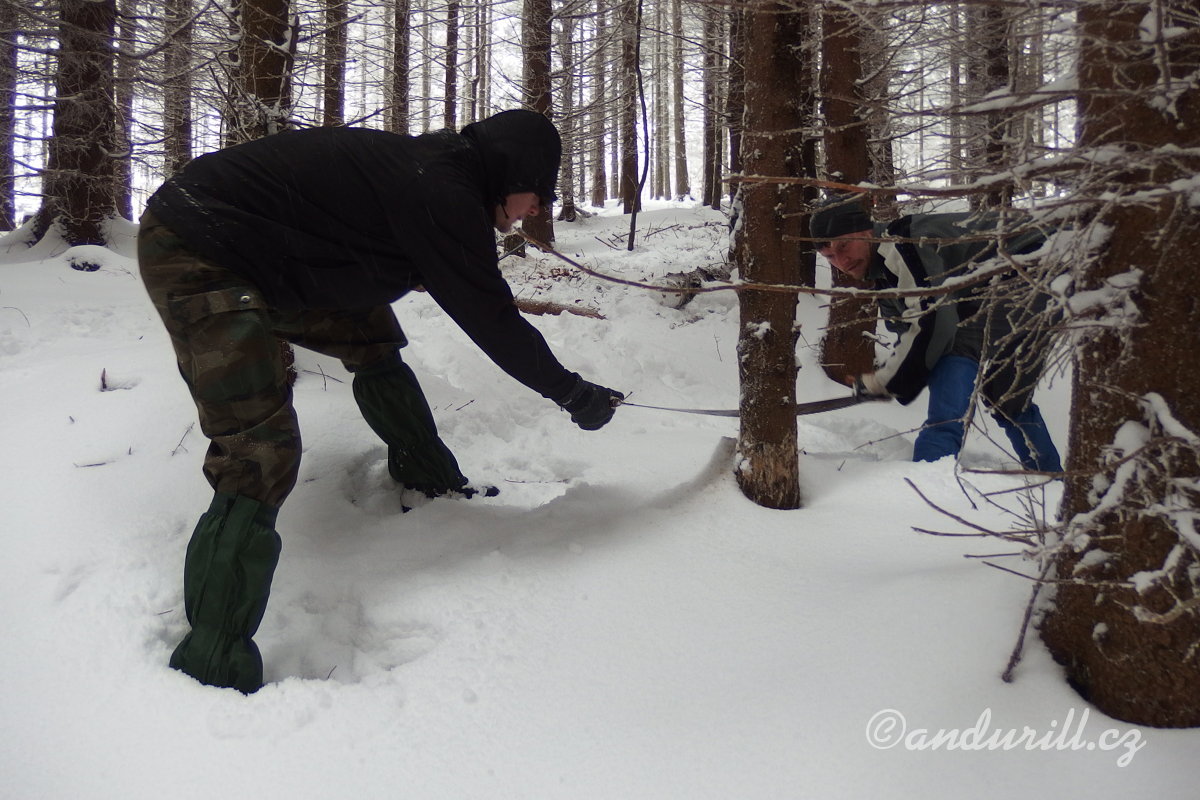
[{"x": 226, "y": 341}]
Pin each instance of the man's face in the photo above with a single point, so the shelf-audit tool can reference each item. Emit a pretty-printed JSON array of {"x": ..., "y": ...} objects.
[
  {"x": 851, "y": 253},
  {"x": 516, "y": 207}
]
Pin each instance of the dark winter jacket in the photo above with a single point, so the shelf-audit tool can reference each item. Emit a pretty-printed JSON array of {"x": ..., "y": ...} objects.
[
  {"x": 929, "y": 328},
  {"x": 329, "y": 218}
]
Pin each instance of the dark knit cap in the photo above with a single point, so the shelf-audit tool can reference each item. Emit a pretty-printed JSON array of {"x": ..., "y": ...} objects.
[
  {"x": 521, "y": 151},
  {"x": 837, "y": 217}
]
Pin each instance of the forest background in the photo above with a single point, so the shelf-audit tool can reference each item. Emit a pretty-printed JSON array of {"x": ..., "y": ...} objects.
[{"x": 1076, "y": 117}]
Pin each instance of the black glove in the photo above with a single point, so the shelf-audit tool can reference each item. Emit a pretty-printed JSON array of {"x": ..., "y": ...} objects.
[{"x": 591, "y": 406}]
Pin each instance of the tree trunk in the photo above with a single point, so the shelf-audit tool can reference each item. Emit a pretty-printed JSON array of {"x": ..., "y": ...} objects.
[
  {"x": 177, "y": 85},
  {"x": 427, "y": 59},
  {"x": 536, "y": 37},
  {"x": 566, "y": 189},
  {"x": 450, "y": 106},
  {"x": 711, "y": 191},
  {"x": 683, "y": 185},
  {"x": 483, "y": 61},
  {"x": 735, "y": 100},
  {"x": 845, "y": 347},
  {"x": 765, "y": 250},
  {"x": 334, "y": 62},
  {"x": 78, "y": 184},
  {"x": 630, "y": 197},
  {"x": 957, "y": 145},
  {"x": 261, "y": 90},
  {"x": 880, "y": 66},
  {"x": 1126, "y": 620},
  {"x": 599, "y": 107},
  {"x": 126, "y": 77},
  {"x": 399, "y": 118},
  {"x": 988, "y": 71},
  {"x": 660, "y": 80},
  {"x": 8, "y": 117}
]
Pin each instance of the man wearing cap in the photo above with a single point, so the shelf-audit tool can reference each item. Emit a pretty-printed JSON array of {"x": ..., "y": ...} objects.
[
  {"x": 309, "y": 236},
  {"x": 940, "y": 344}
]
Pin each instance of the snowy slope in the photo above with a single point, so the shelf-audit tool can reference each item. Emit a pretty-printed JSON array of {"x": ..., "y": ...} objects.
[{"x": 618, "y": 623}]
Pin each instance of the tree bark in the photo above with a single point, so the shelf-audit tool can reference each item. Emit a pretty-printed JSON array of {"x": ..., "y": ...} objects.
[
  {"x": 536, "y": 35},
  {"x": 450, "y": 105},
  {"x": 426, "y": 58},
  {"x": 78, "y": 183},
  {"x": 8, "y": 117},
  {"x": 661, "y": 82},
  {"x": 628, "y": 97},
  {"x": 261, "y": 89},
  {"x": 126, "y": 78},
  {"x": 177, "y": 85},
  {"x": 399, "y": 116},
  {"x": 735, "y": 101},
  {"x": 765, "y": 250},
  {"x": 334, "y": 63},
  {"x": 988, "y": 71},
  {"x": 567, "y": 124},
  {"x": 483, "y": 61},
  {"x": 683, "y": 185},
  {"x": 599, "y": 107},
  {"x": 1126, "y": 621},
  {"x": 845, "y": 347},
  {"x": 711, "y": 189}
]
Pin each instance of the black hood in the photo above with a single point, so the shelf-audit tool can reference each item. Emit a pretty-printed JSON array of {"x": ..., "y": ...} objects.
[{"x": 521, "y": 152}]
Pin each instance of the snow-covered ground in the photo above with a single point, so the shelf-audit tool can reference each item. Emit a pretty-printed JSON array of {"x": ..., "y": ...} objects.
[{"x": 618, "y": 623}]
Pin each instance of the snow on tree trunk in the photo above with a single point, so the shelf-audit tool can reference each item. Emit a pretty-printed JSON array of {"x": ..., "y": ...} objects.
[
  {"x": 766, "y": 250},
  {"x": 261, "y": 96},
  {"x": 1125, "y": 620}
]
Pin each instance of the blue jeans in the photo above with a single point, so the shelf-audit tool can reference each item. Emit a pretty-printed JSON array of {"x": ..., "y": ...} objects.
[{"x": 951, "y": 383}]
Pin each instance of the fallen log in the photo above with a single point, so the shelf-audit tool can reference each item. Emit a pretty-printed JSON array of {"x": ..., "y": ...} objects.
[{"x": 546, "y": 307}]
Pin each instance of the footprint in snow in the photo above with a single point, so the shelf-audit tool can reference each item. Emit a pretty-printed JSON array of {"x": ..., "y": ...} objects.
[
  {"x": 341, "y": 639},
  {"x": 368, "y": 486}
]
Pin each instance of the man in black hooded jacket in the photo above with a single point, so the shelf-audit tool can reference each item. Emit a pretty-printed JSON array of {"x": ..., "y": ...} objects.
[{"x": 309, "y": 236}]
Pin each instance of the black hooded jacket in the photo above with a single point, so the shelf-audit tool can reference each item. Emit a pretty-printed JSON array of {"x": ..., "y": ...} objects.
[{"x": 345, "y": 218}]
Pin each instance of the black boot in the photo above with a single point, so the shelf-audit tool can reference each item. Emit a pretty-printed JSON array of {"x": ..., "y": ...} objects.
[{"x": 227, "y": 575}]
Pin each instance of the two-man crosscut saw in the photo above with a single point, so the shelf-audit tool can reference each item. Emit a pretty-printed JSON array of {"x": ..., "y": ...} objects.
[{"x": 815, "y": 407}]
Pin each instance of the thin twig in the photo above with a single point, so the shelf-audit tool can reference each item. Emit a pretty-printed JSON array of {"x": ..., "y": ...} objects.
[
  {"x": 1018, "y": 650},
  {"x": 949, "y": 514},
  {"x": 181, "y": 438},
  {"x": 19, "y": 311},
  {"x": 325, "y": 376},
  {"x": 947, "y": 534}
]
